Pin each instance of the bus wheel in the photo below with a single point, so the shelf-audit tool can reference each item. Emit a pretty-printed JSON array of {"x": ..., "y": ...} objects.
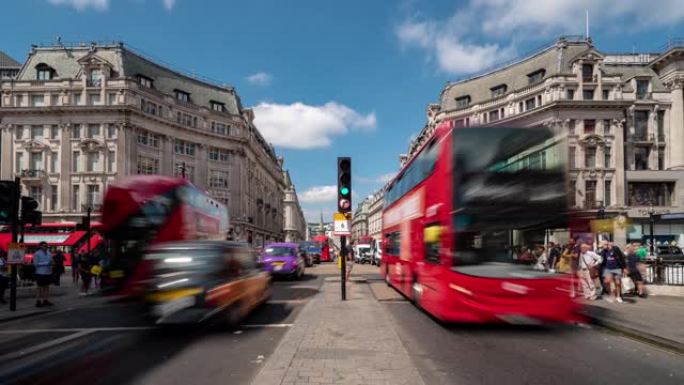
[
  {"x": 387, "y": 277},
  {"x": 232, "y": 317},
  {"x": 416, "y": 292}
]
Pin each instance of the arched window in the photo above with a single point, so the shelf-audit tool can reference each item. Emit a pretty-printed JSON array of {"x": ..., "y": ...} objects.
[{"x": 45, "y": 72}]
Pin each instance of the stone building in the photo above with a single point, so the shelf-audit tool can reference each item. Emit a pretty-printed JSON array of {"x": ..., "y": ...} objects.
[
  {"x": 360, "y": 220},
  {"x": 375, "y": 205},
  {"x": 9, "y": 67},
  {"x": 294, "y": 222},
  {"x": 76, "y": 118},
  {"x": 622, "y": 113}
]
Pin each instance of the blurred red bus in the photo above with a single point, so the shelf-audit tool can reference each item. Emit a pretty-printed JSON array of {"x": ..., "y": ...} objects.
[
  {"x": 324, "y": 241},
  {"x": 142, "y": 210},
  {"x": 454, "y": 213},
  {"x": 66, "y": 237}
]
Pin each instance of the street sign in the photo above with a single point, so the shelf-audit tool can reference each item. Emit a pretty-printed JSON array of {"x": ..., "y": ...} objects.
[
  {"x": 15, "y": 253},
  {"x": 341, "y": 225}
]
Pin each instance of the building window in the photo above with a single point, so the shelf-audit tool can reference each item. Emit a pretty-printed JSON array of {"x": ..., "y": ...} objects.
[
  {"x": 606, "y": 157},
  {"x": 661, "y": 160},
  {"x": 95, "y": 79},
  {"x": 54, "y": 131},
  {"x": 218, "y": 179},
  {"x": 462, "y": 101},
  {"x": 37, "y": 100},
  {"x": 183, "y": 170},
  {"x": 36, "y": 161},
  {"x": 570, "y": 94},
  {"x": 76, "y": 131},
  {"x": 493, "y": 115},
  {"x": 53, "y": 197},
  {"x": 640, "y": 125},
  {"x": 218, "y": 106},
  {"x": 219, "y": 155},
  {"x": 93, "y": 195},
  {"x": 76, "y": 198},
  {"x": 37, "y": 132},
  {"x": 94, "y": 99},
  {"x": 572, "y": 194},
  {"x": 641, "y": 155},
  {"x": 606, "y": 127},
  {"x": 529, "y": 104},
  {"x": 588, "y": 94},
  {"x": 589, "y": 126},
  {"x": 148, "y": 139},
  {"x": 145, "y": 81},
  {"x": 19, "y": 133},
  {"x": 590, "y": 194},
  {"x": 111, "y": 98},
  {"x": 606, "y": 193},
  {"x": 650, "y": 193},
  {"x": 36, "y": 192},
  {"x": 111, "y": 161},
  {"x": 587, "y": 72},
  {"x": 498, "y": 90},
  {"x": 111, "y": 131},
  {"x": 590, "y": 157},
  {"x": 75, "y": 161},
  {"x": 77, "y": 99},
  {"x": 641, "y": 89},
  {"x": 93, "y": 161},
  {"x": 54, "y": 159},
  {"x": 43, "y": 73},
  {"x": 605, "y": 94},
  {"x": 184, "y": 148},
  {"x": 661, "y": 126},
  {"x": 571, "y": 127},
  {"x": 571, "y": 157},
  {"x": 19, "y": 161},
  {"x": 182, "y": 96},
  {"x": 93, "y": 131},
  {"x": 147, "y": 165},
  {"x": 220, "y": 128},
  {"x": 536, "y": 76}
]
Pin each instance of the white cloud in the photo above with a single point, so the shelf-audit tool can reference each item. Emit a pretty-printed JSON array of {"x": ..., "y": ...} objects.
[
  {"x": 169, "y": 4},
  {"x": 319, "y": 194},
  {"x": 302, "y": 126},
  {"x": 485, "y": 32},
  {"x": 260, "y": 78},
  {"x": 382, "y": 179},
  {"x": 81, "y": 5}
]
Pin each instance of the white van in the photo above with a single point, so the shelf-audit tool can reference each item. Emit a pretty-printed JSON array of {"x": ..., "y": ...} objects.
[{"x": 377, "y": 252}]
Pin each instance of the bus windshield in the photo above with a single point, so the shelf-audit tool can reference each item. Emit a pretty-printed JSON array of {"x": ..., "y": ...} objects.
[{"x": 509, "y": 188}]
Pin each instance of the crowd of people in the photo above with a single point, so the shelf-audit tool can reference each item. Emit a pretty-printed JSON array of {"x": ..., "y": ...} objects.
[
  {"x": 47, "y": 267},
  {"x": 607, "y": 271}
]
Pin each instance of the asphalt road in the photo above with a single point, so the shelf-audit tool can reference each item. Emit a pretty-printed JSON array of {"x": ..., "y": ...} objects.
[
  {"x": 116, "y": 344},
  {"x": 529, "y": 355}
]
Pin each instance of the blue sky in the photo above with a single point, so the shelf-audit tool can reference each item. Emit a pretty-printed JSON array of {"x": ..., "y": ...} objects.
[{"x": 332, "y": 78}]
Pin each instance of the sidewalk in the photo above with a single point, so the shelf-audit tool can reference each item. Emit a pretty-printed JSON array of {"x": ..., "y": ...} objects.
[
  {"x": 657, "y": 319},
  {"x": 335, "y": 342},
  {"x": 64, "y": 296}
]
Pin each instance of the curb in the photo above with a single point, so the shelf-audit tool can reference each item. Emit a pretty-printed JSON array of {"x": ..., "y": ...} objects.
[
  {"x": 639, "y": 335},
  {"x": 25, "y": 315}
]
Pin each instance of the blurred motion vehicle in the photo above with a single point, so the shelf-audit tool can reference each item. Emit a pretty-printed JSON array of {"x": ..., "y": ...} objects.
[
  {"x": 324, "y": 242},
  {"x": 312, "y": 250},
  {"x": 283, "y": 259},
  {"x": 450, "y": 250},
  {"x": 143, "y": 210},
  {"x": 362, "y": 253},
  {"x": 376, "y": 252},
  {"x": 194, "y": 281}
]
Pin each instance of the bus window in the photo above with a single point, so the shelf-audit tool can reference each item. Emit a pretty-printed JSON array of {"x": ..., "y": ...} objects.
[{"x": 432, "y": 235}]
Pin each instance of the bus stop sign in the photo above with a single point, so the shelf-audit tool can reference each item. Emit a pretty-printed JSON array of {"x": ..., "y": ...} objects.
[
  {"x": 341, "y": 225},
  {"x": 15, "y": 253}
]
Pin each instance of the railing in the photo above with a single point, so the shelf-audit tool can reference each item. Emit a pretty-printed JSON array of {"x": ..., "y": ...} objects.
[
  {"x": 665, "y": 272},
  {"x": 677, "y": 42},
  {"x": 32, "y": 173}
]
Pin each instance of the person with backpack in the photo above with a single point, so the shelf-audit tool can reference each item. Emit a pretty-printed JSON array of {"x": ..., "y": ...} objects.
[
  {"x": 58, "y": 269},
  {"x": 553, "y": 255}
]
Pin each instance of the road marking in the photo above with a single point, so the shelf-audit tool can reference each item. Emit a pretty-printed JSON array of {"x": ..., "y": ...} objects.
[
  {"x": 303, "y": 287},
  {"x": 286, "y": 301},
  {"x": 78, "y": 330},
  {"x": 258, "y": 326},
  {"x": 43, "y": 346}
]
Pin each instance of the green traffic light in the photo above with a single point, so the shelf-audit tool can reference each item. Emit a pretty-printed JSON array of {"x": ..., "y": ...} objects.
[{"x": 344, "y": 191}]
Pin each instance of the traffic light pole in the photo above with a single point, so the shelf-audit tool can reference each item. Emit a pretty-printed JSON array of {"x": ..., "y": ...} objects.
[
  {"x": 15, "y": 234},
  {"x": 343, "y": 266}
]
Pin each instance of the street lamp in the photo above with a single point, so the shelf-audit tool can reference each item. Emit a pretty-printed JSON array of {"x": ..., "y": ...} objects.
[{"x": 651, "y": 215}]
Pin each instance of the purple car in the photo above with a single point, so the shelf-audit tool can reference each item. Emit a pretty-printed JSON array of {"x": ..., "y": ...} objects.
[{"x": 283, "y": 259}]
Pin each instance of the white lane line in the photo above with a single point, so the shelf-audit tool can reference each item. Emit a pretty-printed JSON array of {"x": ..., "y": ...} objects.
[
  {"x": 287, "y": 301},
  {"x": 43, "y": 346},
  {"x": 258, "y": 326},
  {"x": 303, "y": 287},
  {"x": 77, "y": 330}
]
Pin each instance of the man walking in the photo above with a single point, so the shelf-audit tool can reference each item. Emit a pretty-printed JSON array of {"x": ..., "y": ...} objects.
[
  {"x": 43, "y": 264},
  {"x": 589, "y": 262},
  {"x": 612, "y": 268}
]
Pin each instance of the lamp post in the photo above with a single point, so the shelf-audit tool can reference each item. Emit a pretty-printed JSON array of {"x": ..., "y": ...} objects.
[{"x": 651, "y": 216}]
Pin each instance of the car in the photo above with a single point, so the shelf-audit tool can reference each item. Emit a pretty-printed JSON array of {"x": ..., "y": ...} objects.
[
  {"x": 195, "y": 281},
  {"x": 283, "y": 259},
  {"x": 312, "y": 249}
]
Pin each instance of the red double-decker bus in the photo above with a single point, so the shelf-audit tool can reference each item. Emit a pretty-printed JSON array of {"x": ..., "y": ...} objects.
[
  {"x": 141, "y": 210},
  {"x": 456, "y": 213},
  {"x": 324, "y": 241}
]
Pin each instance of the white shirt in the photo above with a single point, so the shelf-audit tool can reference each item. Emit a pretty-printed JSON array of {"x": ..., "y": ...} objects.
[{"x": 589, "y": 259}]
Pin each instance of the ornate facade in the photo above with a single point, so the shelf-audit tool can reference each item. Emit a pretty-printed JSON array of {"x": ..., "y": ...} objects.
[
  {"x": 295, "y": 224},
  {"x": 76, "y": 118}
]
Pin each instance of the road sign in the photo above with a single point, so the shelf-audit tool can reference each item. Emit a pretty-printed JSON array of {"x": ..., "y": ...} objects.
[
  {"x": 341, "y": 225},
  {"x": 15, "y": 253}
]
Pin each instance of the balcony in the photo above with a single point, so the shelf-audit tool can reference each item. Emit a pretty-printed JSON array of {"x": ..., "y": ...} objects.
[
  {"x": 32, "y": 174},
  {"x": 590, "y": 204},
  {"x": 641, "y": 138}
]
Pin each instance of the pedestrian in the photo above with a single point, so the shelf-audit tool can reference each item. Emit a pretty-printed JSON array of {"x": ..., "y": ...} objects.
[
  {"x": 43, "y": 265},
  {"x": 613, "y": 265},
  {"x": 539, "y": 255},
  {"x": 565, "y": 264},
  {"x": 588, "y": 265},
  {"x": 553, "y": 256},
  {"x": 58, "y": 267},
  {"x": 75, "y": 260},
  {"x": 84, "y": 273},
  {"x": 634, "y": 269},
  {"x": 4, "y": 278}
]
